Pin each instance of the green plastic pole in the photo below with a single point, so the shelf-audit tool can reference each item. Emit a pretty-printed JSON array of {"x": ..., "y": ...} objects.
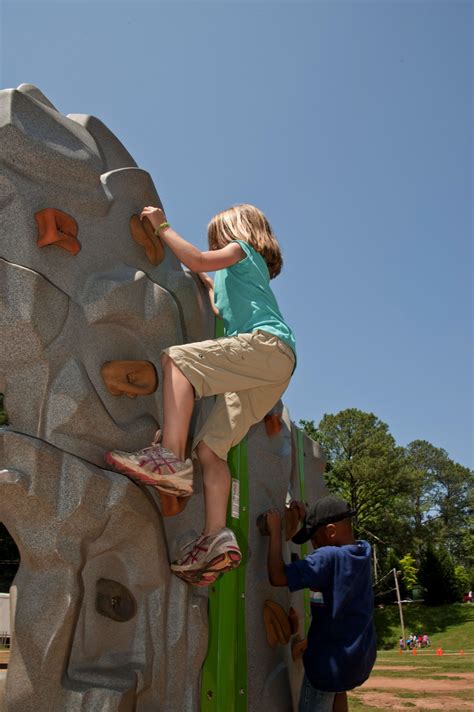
[
  {"x": 304, "y": 547},
  {"x": 224, "y": 675}
]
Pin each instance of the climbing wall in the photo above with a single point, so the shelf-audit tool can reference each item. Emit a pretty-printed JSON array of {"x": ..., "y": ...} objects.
[{"x": 89, "y": 298}]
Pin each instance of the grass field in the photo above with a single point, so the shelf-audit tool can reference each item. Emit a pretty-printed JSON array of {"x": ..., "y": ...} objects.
[{"x": 423, "y": 681}]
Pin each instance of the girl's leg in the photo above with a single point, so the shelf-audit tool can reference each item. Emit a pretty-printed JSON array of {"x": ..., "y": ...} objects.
[
  {"x": 178, "y": 403},
  {"x": 216, "y": 483}
]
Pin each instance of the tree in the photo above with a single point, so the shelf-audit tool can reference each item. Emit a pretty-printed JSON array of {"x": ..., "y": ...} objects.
[
  {"x": 364, "y": 467},
  {"x": 437, "y": 577},
  {"x": 462, "y": 581},
  {"x": 442, "y": 498},
  {"x": 409, "y": 572}
]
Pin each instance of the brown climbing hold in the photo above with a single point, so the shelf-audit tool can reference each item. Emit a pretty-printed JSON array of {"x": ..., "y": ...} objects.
[
  {"x": 129, "y": 378},
  {"x": 291, "y": 520},
  {"x": 57, "y": 228},
  {"x": 298, "y": 647},
  {"x": 144, "y": 235},
  {"x": 114, "y": 600},
  {"x": 276, "y": 623},
  {"x": 273, "y": 424},
  {"x": 171, "y": 505}
]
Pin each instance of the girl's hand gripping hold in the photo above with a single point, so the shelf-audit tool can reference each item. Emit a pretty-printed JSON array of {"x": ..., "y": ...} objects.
[{"x": 156, "y": 216}]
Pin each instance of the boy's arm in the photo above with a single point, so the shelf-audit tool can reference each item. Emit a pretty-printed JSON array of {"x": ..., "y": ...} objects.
[
  {"x": 275, "y": 563},
  {"x": 188, "y": 254}
]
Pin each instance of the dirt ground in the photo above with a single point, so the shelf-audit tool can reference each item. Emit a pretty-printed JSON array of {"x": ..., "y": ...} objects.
[
  {"x": 421, "y": 693},
  {"x": 385, "y": 700}
]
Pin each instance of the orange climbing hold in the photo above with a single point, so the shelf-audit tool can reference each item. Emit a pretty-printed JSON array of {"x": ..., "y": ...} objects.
[
  {"x": 273, "y": 424},
  {"x": 129, "y": 378},
  {"x": 144, "y": 235},
  {"x": 298, "y": 647},
  {"x": 171, "y": 505},
  {"x": 277, "y": 625},
  {"x": 57, "y": 228}
]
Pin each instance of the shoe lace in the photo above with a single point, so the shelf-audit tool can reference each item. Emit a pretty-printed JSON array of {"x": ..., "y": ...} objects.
[
  {"x": 186, "y": 548},
  {"x": 156, "y": 441}
]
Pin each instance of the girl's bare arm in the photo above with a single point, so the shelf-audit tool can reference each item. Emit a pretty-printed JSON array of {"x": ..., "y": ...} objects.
[{"x": 188, "y": 254}]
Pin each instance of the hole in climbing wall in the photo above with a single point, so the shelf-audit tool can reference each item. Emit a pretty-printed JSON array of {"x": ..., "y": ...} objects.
[
  {"x": 3, "y": 412},
  {"x": 9, "y": 559},
  {"x": 9, "y": 563}
]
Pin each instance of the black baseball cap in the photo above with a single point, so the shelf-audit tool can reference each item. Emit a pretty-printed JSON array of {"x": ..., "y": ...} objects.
[{"x": 327, "y": 510}]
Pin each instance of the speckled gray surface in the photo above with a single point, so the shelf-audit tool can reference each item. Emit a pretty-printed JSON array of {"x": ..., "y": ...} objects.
[
  {"x": 75, "y": 523},
  {"x": 62, "y": 317}
]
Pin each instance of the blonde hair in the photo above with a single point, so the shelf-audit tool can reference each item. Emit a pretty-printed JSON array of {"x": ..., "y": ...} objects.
[{"x": 247, "y": 223}]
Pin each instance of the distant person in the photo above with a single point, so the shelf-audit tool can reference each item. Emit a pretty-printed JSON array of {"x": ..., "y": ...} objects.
[
  {"x": 401, "y": 644},
  {"x": 341, "y": 647}
]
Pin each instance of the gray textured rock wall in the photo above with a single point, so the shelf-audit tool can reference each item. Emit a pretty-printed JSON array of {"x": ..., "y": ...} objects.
[{"x": 84, "y": 532}]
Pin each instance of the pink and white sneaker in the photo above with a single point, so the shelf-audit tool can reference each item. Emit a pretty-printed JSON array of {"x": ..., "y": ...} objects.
[
  {"x": 157, "y": 467},
  {"x": 209, "y": 557}
]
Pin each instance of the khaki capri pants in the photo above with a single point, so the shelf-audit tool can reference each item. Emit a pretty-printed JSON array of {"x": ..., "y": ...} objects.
[{"x": 248, "y": 373}]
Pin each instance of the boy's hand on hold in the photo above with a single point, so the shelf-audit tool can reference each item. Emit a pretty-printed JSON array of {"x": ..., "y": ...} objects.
[
  {"x": 155, "y": 215},
  {"x": 273, "y": 517}
]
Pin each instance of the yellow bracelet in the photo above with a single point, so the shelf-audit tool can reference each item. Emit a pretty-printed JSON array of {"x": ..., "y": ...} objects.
[{"x": 160, "y": 227}]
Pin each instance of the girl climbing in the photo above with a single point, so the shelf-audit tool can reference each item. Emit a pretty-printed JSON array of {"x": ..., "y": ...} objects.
[{"x": 248, "y": 370}]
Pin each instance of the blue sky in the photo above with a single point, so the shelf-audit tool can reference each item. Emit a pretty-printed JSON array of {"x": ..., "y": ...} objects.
[{"x": 349, "y": 124}]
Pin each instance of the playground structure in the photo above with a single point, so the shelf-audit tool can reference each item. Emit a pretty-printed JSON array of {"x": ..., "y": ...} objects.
[{"x": 89, "y": 300}]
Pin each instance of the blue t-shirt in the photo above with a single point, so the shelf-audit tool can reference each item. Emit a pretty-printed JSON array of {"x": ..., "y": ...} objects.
[
  {"x": 245, "y": 301},
  {"x": 341, "y": 639}
]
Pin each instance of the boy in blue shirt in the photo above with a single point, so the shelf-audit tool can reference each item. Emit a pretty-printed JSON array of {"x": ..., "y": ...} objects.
[{"x": 341, "y": 639}]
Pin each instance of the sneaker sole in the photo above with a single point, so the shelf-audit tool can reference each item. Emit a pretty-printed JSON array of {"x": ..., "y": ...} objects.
[
  {"x": 221, "y": 563},
  {"x": 139, "y": 477}
]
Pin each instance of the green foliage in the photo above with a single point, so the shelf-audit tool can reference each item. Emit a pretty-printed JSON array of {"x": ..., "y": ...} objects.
[
  {"x": 462, "y": 581},
  {"x": 409, "y": 571},
  {"x": 436, "y": 575},
  {"x": 404, "y": 497},
  {"x": 442, "y": 499},
  {"x": 365, "y": 467},
  {"x": 451, "y": 626}
]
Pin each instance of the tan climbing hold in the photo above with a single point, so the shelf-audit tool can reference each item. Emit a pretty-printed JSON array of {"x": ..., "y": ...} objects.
[
  {"x": 143, "y": 234},
  {"x": 277, "y": 625},
  {"x": 57, "y": 228},
  {"x": 129, "y": 378},
  {"x": 298, "y": 646}
]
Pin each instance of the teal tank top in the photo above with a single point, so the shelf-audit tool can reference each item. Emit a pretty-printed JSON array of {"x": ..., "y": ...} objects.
[{"x": 245, "y": 300}]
